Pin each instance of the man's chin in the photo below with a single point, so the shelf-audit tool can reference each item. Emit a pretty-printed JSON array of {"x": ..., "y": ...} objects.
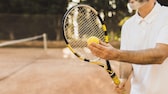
[{"x": 133, "y": 7}]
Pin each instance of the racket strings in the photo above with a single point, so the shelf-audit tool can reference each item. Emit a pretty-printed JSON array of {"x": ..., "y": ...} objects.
[
  {"x": 90, "y": 25},
  {"x": 81, "y": 24}
]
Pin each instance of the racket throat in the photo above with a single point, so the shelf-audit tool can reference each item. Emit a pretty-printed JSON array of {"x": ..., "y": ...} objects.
[
  {"x": 108, "y": 65},
  {"x": 112, "y": 75}
]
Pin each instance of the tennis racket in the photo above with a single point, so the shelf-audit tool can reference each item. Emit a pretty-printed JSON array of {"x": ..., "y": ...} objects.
[{"x": 79, "y": 24}]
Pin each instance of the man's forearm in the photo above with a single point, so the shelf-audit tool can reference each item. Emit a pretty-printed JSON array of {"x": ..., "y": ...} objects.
[{"x": 148, "y": 56}]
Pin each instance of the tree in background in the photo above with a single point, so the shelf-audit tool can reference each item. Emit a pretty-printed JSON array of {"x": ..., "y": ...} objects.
[
  {"x": 23, "y": 18},
  {"x": 33, "y": 6},
  {"x": 163, "y": 2},
  {"x": 113, "y": 11}
]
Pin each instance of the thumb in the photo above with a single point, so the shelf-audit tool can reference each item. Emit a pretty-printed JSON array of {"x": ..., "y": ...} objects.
[{"x": 104, "y": 44}]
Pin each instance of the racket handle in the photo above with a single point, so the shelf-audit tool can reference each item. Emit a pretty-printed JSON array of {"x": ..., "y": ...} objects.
[
  {"x": 112, "y": 74},
  {"x": 115, "y": 79}
]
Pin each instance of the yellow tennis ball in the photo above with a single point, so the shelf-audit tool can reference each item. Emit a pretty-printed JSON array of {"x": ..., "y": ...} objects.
[{"x": 93, "y": 39}]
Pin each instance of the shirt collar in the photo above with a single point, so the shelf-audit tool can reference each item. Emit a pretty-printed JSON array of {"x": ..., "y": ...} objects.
[{"x": 150, "y": 17}]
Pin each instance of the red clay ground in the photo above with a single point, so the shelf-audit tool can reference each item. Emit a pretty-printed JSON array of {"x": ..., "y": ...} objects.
[{"x": 35, "y": 71}]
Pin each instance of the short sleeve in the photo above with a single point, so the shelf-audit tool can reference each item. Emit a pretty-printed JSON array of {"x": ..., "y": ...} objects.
[
  {"x": 163, "y": 35},
  {"x": 123, "y": 38}
]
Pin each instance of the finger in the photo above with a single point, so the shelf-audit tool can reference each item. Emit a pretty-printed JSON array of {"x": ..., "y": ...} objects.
[
  {"x": 95, "y": 49},
  {"x": 98, "y": 46},
  {"x": 103, "y": 43}
]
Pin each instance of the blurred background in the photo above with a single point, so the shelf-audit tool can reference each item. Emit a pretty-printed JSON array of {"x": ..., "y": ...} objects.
[
  {"x": 21, "y": 19},
  {"x": 27, "y": 25}
]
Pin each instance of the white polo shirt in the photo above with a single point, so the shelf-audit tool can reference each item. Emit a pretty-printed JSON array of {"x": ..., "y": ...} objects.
[{"x": 141, "y": 33}]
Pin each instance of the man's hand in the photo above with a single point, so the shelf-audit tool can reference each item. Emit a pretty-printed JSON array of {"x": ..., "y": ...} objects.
[{"x": 104, "y": 51}]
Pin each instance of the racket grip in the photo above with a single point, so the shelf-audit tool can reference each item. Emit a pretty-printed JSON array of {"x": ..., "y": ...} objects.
[{"x": 115, "y": 79}]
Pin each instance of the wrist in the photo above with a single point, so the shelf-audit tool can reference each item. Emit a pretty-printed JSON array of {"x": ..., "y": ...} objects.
[{"x": 118, "y": 58}]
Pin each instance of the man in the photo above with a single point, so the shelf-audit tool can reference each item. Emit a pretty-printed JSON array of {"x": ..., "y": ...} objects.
[{"x": 144, "y": 45}]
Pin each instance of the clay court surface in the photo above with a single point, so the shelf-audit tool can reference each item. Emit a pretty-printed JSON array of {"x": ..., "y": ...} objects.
[{"x": 36, "y": 71}]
